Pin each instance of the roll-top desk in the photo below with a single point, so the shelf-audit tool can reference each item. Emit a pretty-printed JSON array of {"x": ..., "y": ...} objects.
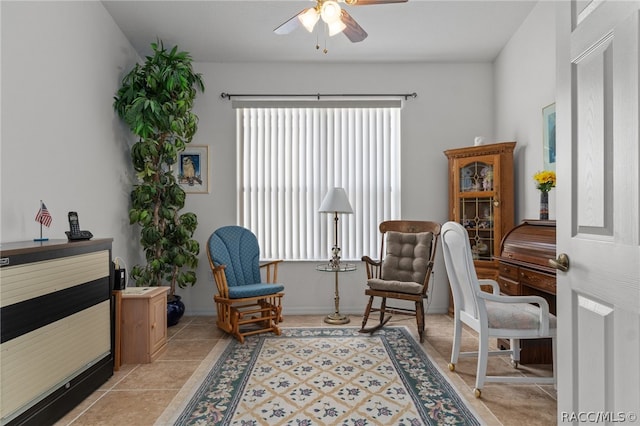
[
  {"x": 56, "y": 326},
  {"x": 523, "y": 267}
]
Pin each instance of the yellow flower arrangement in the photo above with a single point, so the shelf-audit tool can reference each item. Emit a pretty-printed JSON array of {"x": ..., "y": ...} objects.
[{"x": 545, "y": 180}]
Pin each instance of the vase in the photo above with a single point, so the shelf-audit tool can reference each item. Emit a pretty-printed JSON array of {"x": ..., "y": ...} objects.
[
  {"x": 544, "y": 205},
  {"x": 175, "y": 310}
]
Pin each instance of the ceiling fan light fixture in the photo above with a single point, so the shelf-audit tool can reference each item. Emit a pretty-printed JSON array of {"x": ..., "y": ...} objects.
[
  {"x": 330, "y": 11},
  {"x": 336, "y": 27},
  {"x": 333, "y": 15},
  {"x": 309, "y": 18}
]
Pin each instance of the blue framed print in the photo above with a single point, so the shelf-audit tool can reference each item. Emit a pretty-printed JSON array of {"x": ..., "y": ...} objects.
[
  {"x": 549, "y": 136},
  {"x": 192, "y": 169}
]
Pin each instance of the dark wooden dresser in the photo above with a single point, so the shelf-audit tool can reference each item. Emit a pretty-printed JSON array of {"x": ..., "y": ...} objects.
[{"x": 523, "y": 267}]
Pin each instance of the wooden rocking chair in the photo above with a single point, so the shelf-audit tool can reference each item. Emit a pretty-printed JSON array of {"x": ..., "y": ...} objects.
[
  {"x": 245, "y": 303},
  {"x": 403, "y": 271}
]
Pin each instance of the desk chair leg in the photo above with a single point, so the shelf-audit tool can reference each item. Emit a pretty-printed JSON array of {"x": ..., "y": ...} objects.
[
  {"x": 515, "y": 352},
  {"x": 483, "y": 358},
  {"x": 455, "y": 350}
]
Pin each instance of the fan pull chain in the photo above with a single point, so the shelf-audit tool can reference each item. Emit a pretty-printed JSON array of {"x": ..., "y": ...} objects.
[{"x": 325, "y": 50}]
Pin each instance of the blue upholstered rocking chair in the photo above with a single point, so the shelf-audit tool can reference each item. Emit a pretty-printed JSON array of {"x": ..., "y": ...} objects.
[{"x": 245, "y": 303}]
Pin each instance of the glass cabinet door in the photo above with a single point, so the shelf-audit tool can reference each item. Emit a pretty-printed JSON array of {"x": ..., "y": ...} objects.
[
  {"x": 481, "y": 196},
  {"x": 477, "y": 205}
]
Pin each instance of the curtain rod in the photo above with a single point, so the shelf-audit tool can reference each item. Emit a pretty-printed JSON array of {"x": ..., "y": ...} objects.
[{"x": 406, "y": 96}]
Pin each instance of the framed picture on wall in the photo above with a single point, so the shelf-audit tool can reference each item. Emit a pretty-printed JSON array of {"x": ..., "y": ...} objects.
[
  {"x": 192, "y": 169},
  {"x": 549, "y": 137}
]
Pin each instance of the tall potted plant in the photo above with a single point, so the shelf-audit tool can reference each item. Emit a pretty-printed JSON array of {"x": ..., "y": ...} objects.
[{"x": 155, "y": 100}]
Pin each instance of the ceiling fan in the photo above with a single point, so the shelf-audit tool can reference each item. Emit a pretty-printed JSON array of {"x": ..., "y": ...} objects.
[{"x": 336, "y": 18}]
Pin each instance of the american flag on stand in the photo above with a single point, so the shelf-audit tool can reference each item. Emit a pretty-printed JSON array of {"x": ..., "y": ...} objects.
[{"x": 43, "y": 216}]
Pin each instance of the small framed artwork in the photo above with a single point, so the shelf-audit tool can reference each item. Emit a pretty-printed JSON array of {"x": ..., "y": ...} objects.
[
  {"x": 192, "y": 169},
  {"x": 549, "y": 137}
]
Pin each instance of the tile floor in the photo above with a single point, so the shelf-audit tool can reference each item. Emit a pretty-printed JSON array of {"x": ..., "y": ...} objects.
[{"x": 138, "y": 394}]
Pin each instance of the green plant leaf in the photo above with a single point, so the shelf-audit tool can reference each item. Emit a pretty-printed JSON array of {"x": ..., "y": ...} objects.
[{"x": 155, "y": 100}]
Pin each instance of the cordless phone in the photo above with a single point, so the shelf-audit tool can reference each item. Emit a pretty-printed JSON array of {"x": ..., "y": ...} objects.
[{"x": 74, "y": 233}]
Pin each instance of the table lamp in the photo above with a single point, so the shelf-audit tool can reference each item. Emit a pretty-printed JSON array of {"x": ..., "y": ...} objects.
[{"x": 335, "y": 202}]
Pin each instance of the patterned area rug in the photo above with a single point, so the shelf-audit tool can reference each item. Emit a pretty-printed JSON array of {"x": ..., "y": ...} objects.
[{"x": 326, "y": 376}]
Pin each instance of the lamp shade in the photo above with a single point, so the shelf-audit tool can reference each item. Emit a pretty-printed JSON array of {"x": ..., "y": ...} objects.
[
  {"x": 336, "y": 27},
  {"x": 336, "y": 201},
  {"x": 309, "y": 18},
  {"x": 330, "y": 11}
]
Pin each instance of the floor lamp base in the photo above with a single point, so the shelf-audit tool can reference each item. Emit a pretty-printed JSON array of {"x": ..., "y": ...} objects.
[{"x": 336, "y": 319}]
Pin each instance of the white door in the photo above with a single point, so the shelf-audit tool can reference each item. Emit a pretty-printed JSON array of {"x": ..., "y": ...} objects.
[{"x": 598, "y": 204}]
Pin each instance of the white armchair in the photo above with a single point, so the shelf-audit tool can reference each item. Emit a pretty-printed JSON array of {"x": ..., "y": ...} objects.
[{"x": 491, "y": 315}]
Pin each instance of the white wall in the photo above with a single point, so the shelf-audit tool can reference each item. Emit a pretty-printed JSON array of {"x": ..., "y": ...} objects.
[
  {"x": 453, "y": 105},
  {"x": 525, "y": 82},
  {"x": 61, "y": 142}
]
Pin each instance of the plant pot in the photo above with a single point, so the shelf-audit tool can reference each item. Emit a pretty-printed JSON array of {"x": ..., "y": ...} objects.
[{"x": 175, "y": 310}]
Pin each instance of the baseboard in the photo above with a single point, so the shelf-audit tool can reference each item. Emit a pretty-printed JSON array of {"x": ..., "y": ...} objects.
[{"x": 316, "y": 310}]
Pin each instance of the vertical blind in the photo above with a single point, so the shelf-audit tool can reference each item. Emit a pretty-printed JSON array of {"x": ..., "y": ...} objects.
[{"x": 288, "y": 159}]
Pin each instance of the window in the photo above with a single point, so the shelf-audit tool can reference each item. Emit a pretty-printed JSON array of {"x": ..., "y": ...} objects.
[{"x": 290, "y": 154}]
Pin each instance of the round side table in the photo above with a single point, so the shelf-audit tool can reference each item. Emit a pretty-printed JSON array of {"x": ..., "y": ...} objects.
[{"x": 336, "y": 317}]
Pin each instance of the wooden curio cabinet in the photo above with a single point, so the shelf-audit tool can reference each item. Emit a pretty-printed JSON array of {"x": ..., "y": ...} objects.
[{"x": 481, "y": 199}]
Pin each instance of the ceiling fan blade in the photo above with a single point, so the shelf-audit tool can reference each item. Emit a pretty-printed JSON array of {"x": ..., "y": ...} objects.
[
  {"x": 290, "y": 25},
  {"x": 368, "y": 2},
  {"x": 353, "y": 31}
]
